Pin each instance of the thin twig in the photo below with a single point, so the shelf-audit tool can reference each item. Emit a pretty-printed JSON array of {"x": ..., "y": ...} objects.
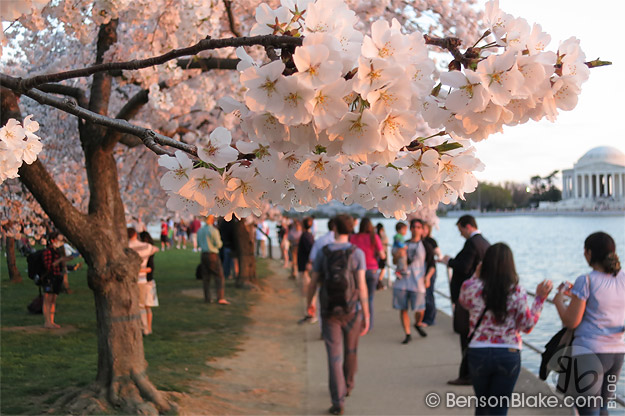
[{"x": 231, "y": 22}]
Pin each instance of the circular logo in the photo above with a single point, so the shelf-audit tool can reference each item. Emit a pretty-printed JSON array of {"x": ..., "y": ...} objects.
[
  {"x": 432, "y": 400},
  {"x": 576, "y": 375}
]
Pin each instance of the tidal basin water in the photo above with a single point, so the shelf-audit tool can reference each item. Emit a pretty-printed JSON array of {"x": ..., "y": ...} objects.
[{"x": 544, "y": 247}]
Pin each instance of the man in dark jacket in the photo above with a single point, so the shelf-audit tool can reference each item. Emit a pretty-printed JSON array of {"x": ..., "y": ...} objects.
[{"x": 463, "y": 266}]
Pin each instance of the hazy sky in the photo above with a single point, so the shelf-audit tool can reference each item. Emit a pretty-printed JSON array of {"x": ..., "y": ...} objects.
[{"x": 538, "y": 148}]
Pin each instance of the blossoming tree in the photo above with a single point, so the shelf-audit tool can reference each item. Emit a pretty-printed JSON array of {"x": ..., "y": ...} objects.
[{"x": 327, "y": 102}]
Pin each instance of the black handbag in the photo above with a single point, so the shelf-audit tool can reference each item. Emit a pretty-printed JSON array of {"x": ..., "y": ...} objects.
[
  {"x": 554, "y": 349},
  {"x": 557, "y": 348}
]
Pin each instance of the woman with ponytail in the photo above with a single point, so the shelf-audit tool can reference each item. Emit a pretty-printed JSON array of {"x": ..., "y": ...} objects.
[
  {"x": 596, "y": 312},
  {"x": 499, "y": 311},
  {"x": 368, "y": 241}
]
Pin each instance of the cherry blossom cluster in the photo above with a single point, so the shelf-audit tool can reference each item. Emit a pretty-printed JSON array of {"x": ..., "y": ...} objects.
[
  {"x": 518, "y": 80},
  {"x": 333, "y": 125},
  {"x": 18, "y": 144},
  {"x": 336, "y": 117}
]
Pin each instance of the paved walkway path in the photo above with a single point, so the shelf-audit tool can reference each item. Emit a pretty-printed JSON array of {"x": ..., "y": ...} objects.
[{"x": 394, "y": 379}]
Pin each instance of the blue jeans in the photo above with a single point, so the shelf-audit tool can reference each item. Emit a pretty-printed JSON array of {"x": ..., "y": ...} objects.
[
  {"x": 371, "y": 276},
  {"x": 494, "y": 372},
  {"x": 227, "y": 260}
]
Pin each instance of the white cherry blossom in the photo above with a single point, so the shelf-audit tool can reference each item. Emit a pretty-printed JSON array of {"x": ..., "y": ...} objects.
[
  {"x": 179, "y": 167},
  {"x": 217, "y": 150},
  {"x": 314, "y": 68},
  {"x": 500, "y": 77},
  {"x": 296, "y": 101},
  {"x": 202, "y": 186},
  {"x": 320, "y": 170},
  {"x": 358, "y": 132},
  {"x": 262, "y": 84},
  {"x": 270, "y": 21},
  {"x": 328, "y": 104}
]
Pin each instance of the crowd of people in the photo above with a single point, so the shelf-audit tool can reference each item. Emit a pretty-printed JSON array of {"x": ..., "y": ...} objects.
[
  {"x": 490, "y": 308},
  {"x": 341, "y": 270}
]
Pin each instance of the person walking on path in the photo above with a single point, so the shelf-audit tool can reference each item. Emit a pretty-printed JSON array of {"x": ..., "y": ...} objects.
[
  {"x": 317, "y": 246},
  {"x": 294, "y": 234},
  {"x": 164, "y": 235},
  {"x": 339, "y": 272},
  {"x": 283, "y": 228},
  {"x": 181, "y": 234},
  {"x": 194, "y": 227},
  {"x": 262, "y": 231},
  {"x": 369, "y": 242},
  {"x": 209, "y": 241},
  {"x": 409, "y": 288},
  {"x": 498, "y": 311},
  {"x": 323, "y": 241},
  {"x": 54, "y": 260},
  {"x": 228, "y": 253},
  {"x": 144, "y": 250},
  {"x": 596, "y": 312},
  {"x": 430, "y": 303},
  {"x": 306, "y": 241},
  {"x": 382, "y": 262},
  {"x": 463, "y": 266}
]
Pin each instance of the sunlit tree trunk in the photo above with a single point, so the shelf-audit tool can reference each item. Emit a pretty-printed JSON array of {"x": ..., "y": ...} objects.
[{"x": 100, "y": 237}]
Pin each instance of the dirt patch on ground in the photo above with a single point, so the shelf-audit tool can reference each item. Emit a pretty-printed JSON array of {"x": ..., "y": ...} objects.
[
  {"x": 35, "y": 329},
  {"x": 268, "y": 376}
]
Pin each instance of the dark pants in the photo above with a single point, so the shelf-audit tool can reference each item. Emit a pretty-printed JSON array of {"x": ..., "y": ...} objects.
[
  {"x": 211, "y": 268},
  {"x": 430, "y": 305},
  {"x": 341, "y": 335},
  {"x": 494, "y": 372},
  {"x": 593, "y": 376},
  {"x": 227, "y": 260},
  {"x": 461, "y": 327},
  {"x": 371, "y": 277}
]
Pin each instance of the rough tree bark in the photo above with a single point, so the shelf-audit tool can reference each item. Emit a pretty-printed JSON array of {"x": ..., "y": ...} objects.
[
  {"x": 14, "y": 273},
  {"x": 100, "y": 237}
]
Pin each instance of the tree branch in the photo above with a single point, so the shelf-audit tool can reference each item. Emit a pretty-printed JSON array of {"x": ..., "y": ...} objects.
[
  {"x": 207, "y": 64},
  {"x": 231, "y": 22},
  {"x": 150, "y": 138},
  {"x": 203, "y": 45},
  {"x": 41, "y": 185},
  {"x": 77, "y": 93}
]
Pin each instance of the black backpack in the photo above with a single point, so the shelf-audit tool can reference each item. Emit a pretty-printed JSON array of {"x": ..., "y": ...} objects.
[
  {"x": 36, "y": 267},
  {"x": 339, "y": 293}
]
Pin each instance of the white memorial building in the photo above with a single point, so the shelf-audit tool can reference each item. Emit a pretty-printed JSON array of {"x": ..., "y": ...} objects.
[{"x": 596, "y": 182}]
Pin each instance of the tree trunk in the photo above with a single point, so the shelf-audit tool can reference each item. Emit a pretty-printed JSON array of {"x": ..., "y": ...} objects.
[
  {"x": 14, "y": 273},
  {"x": 247, "y": 261},
  {"x": 100, "y": 237},
  {"x": 121, "y": 377}
]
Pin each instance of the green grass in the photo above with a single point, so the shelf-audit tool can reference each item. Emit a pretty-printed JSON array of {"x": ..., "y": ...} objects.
[{"x": 36, "y": 366}]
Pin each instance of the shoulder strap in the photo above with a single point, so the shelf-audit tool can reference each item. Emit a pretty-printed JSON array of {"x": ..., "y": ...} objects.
[{"x": 479, "y": 321}]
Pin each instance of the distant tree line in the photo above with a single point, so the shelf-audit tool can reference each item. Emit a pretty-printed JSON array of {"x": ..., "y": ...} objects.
[{"x": 512, "y": 195}]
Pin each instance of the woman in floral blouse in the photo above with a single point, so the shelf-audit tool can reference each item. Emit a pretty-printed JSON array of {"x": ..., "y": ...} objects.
[{"x": 494, "y": 353}]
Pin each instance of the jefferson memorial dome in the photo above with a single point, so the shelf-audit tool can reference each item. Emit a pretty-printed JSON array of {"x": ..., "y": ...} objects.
[{"x": 596, "y": 181}]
